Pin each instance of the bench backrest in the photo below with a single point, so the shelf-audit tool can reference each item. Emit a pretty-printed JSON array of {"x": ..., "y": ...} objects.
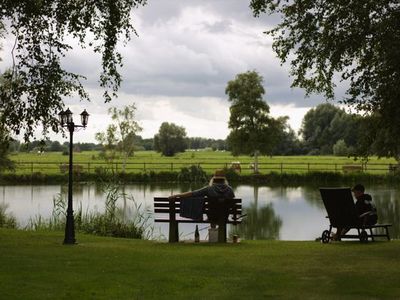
[
  {"x": 340, "y": 207},
  {"x": 164, "y": 205}
]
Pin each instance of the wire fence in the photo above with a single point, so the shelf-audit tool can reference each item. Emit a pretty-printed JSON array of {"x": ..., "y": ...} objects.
[{"x": 209, "y": 167}]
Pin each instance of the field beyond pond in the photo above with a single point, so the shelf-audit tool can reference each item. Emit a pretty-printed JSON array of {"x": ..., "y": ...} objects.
[
  {"x": 35, "y": 265},
  {"x": 145, "y": 161}
]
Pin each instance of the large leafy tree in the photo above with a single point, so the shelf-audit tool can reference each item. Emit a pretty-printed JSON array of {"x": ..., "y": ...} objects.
[
  {"x": 253, "y": 130},
  {"x": 33, "y": 89},
  {"x": 325, "y": 125},
  {"x": 170, "y": 139},
  {"x": 356, "y": 41},
  {"x": 121, "y": 134}
]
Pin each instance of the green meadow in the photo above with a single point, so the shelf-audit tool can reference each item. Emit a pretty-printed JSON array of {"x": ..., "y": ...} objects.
[
  {"x": 35, "y": 265},
  {"x": 144, "y": 161}
]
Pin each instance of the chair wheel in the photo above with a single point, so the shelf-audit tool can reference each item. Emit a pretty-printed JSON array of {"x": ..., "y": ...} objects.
[
  {"x": 325, "y": 236},
  {"x": 364, "y": 237}
]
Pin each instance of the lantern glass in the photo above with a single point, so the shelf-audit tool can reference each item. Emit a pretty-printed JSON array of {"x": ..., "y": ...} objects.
[
  {"x": 84, "y": 118},
  {"x": 68, "y": 115}
]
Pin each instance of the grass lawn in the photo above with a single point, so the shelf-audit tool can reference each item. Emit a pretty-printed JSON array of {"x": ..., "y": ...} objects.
[{"x": 35, "y": 265}]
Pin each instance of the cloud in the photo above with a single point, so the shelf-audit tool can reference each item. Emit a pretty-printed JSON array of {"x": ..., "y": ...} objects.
[{"x": 177, "y": 69}]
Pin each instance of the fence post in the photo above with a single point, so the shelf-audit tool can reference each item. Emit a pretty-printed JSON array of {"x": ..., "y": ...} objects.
[
  {"x": 31, "y": 168},
  {"x": 88, "y": 167},
  {"x": 308, "y": 167},
  {"x": 281, "y": 168},
  {"x": 144, "y": 167}
]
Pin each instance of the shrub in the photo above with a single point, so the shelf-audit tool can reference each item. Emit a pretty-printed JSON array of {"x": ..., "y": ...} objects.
[
  {"x": 340, "y": 148},
  {"x": 194, "y": 173}
]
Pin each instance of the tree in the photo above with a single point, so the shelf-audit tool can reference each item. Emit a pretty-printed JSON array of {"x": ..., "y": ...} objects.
[
  {"x": 170, "y": 139},
  {"x": 121, "y": 136},
  {"x": 5, "y": 162},
  {"x": 253, "y": 131},
  {"x": 289, "y": 143},
  {"x": 340, "y": 148},
  {"x": 324, "y": 125},
  {"x": 32, "y": 91},
  {"x": 357, "y": 40}
]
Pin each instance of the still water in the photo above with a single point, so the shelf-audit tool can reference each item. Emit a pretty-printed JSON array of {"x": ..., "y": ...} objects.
[{"x": 284, "y": 213}]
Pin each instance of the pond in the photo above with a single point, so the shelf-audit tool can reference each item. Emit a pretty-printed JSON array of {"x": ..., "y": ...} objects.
[{"x": 284, "y": 213}]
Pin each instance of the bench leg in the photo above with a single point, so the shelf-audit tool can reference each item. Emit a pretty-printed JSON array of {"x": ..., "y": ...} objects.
[
  {"x": 387, "y": 233},
  {"x": 173, "y": 232},
  {"x": 372, "y": 235},
  {"x": 222, "y": 232}
]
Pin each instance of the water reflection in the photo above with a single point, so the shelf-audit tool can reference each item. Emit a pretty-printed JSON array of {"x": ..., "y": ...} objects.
[{"x": 286, "y": 213}]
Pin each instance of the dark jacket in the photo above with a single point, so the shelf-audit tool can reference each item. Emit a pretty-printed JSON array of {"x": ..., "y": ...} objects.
[{"x": 219, "y": 190}]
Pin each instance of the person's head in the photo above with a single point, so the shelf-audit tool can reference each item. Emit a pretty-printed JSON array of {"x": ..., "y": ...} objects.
[
  {"x": 358, "y": 190},
  {"x": 218, "y": 178}
]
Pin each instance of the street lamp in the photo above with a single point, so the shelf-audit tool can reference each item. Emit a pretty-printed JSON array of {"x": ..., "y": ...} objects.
[{"x": 67, "y": 121}]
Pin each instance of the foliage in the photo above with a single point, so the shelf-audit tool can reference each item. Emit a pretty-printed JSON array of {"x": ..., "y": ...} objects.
[
  {"x": 120, "y": 136},
  {"x": 194, "y": 173},
  {"x": 341, "y": 149},
  {"x": 6, "y": 220},
  {"x": 289, "y": 143},
  {"x": 252, "y": 129},
  {"x": 357, "y": 40},
  {"x": 170, "y": 139},
  {"x": 203, "y": 143},
  {"x": 326, "y": 124},
  {"x": 5, "y": 162},
  {"x": 32, "y": 90}
]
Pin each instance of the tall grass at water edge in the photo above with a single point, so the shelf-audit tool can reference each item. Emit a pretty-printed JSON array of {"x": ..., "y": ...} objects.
[
  {"x": 112, "y": 222},
  {"x": 6, "y": 220}
]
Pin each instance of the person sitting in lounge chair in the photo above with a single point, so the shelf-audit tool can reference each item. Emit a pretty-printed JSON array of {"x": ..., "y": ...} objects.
[{"x": 365, "y": 209}]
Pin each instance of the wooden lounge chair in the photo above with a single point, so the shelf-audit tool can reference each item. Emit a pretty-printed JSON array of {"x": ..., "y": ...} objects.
[{"x": 342, "y": 213}]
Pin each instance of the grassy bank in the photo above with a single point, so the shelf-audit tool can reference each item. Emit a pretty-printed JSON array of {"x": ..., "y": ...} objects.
[
  {"x": 36, "y": 266},
  {"x": 271, "y": 179}
]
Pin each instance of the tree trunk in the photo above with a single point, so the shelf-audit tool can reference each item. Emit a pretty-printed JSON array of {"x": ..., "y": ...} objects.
[{"x": 256, "y": 161}]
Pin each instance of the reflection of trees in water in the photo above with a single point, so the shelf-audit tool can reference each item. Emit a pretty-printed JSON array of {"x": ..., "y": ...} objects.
[
  {"x": 388, "y": 206},
  {"x": 311, "y": 195},
  {"x": 259, "y": 223}
]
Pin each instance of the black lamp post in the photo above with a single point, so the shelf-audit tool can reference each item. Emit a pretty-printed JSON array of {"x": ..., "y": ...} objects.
[{"x": 67, "y": 121}]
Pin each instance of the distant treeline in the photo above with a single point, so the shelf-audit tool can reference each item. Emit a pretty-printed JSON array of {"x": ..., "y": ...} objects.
[
  {"x": 326, "y": 130},
  {"x": 141, "y": 145}
]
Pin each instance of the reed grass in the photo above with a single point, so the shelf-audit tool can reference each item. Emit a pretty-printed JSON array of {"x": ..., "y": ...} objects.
[
  {"x": 7, "y": 220},
  {"x": 112, "y": 222}
]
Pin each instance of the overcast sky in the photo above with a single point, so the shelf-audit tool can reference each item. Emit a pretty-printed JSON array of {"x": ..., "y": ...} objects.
[{"x": 178, "y": 68}]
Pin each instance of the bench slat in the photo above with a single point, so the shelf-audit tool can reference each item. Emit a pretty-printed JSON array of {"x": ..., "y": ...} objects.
[
  {"x": 194, "y": 221},
  {"x": 177, "y": 210}
]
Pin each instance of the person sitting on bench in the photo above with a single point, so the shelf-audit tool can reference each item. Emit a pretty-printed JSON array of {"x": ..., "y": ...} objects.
[
  {"x": 217, "y": 188},
  {"x": 365, "y": 209}
]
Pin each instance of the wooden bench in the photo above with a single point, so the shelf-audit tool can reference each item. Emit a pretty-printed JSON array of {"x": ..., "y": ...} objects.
[{"x": 168, "y": 211}]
